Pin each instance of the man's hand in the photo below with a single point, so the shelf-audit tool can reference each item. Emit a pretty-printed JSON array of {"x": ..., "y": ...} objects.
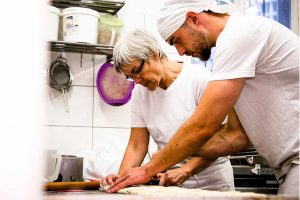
[
  {"x": 172, "y": 177},
  {"x": 108, "y": 180},
  {"x": 129, "y": 177}
]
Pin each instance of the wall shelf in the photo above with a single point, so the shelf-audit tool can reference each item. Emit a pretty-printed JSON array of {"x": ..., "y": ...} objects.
[
  {"x": 87, "y": 48},
  {"x": 102, "y": 6},
  {"x": 111, "y": 7}
]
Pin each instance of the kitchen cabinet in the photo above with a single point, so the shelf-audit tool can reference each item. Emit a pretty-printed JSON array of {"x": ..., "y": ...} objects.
[{"x": 111, "y": 7}]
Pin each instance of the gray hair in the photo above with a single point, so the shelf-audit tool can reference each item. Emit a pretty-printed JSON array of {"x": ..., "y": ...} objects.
[{"x": 139, "y": 44}]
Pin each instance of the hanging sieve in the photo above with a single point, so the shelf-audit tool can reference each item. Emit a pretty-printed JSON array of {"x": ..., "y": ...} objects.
[{"x": 61, "y": 78}]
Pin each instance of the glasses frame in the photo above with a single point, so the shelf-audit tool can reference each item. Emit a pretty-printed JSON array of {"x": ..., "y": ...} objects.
[{"x": 137, "y": 72}]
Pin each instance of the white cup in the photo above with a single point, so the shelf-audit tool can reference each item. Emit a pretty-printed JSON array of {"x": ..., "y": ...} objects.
[{"x": 53, "y": 163}]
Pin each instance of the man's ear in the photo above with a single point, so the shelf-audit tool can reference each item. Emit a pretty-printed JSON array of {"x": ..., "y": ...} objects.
[{"x": 192, "y": 17}]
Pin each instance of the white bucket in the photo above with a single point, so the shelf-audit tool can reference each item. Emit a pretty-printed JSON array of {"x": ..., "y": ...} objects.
[
  {"x": 80, "y": 25},
  {"x": 52, "y": 23}
]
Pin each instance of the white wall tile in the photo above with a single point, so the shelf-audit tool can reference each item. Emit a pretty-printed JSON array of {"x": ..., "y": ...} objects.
[
  {"x": 133, "y": 6},
  {"x": 110, "y": 144},
  {"x": 82, "y": 68},
  {"x": 132, "y": 16},
  {"x": 106, "y": 115},
  {"x": 99, "y": 61},
  {"x": 68, "y": 140},
  {"x": 140, "y": 6},
  {"x": 115, "y": 139},
  {"x": 80, "y": 100}
]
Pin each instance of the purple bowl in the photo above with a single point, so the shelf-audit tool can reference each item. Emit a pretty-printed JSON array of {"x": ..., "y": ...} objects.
[{"x": 112, "y": 87}]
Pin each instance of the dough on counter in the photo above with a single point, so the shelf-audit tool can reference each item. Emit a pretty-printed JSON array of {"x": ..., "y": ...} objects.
[
  {"x": 161, "y": 191},
  {"x": 104, "y": 188}
]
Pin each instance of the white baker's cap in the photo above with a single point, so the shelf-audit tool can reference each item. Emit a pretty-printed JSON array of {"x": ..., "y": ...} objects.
[{"x": 173, "y": 13}]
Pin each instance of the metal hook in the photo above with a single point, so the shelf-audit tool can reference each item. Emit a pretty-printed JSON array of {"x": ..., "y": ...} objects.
[
  {"x": 93, "y": 59},
  {"x": 60, "y": 54},
  {"x": 81, "y": 60},
  {"x": 109, "y": 59}
]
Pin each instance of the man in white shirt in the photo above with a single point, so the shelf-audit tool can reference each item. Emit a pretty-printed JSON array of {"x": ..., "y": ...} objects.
[{"x": 255, "y": 71}]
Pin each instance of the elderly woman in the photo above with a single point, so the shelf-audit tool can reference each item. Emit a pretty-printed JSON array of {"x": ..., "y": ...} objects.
[{"x": 166, "y": 94}]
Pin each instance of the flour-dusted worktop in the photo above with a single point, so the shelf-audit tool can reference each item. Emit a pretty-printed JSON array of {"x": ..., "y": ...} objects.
[
  {"x": 146, "y": 192},
  {"x": 97, "y": 195}
]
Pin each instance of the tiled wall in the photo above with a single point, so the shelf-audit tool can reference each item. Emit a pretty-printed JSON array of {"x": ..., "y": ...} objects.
[{"x": 91, "y": 124}]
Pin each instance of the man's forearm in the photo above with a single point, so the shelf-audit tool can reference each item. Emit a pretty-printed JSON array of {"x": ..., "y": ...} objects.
[
  {"x": 231, "y": 139},
  {"x": 179, "y": 145}
]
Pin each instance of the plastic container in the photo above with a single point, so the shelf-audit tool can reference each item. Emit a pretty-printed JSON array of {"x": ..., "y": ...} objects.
[
  {"x": 52, "y": 21},
  {"x": 110, "y": 29},
  {"x": 80, "y": 25},
  {"x": 112, "y": 87}
]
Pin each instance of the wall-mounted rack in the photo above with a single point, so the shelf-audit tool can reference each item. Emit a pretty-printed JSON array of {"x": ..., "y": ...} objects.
[
  {"x": 101, "y": 6},
  {"x": 111, "y": 7},
  {"x": 86, "y": 48}
]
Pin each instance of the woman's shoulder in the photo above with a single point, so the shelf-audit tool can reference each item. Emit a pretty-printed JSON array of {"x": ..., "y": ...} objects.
[{"x": 196, "y": 70}]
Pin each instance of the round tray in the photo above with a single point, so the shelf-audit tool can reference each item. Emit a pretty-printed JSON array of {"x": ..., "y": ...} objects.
[{"x": 112, "y": 87}]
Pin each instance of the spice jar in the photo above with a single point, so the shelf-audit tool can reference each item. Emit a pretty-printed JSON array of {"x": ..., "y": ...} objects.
[{"x": 109, "y": 30}]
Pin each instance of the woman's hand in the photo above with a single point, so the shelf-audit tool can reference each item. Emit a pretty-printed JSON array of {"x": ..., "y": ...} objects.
[
  {"x": 172, "y": 177},
  {"x": 108, "y": 180}
]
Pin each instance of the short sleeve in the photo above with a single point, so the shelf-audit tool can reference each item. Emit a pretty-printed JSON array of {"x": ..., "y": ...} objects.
[
  {"x": 237, "y": 51},
  {"x": 202, "y": 77},
  {"x": 136, "y": 114}
]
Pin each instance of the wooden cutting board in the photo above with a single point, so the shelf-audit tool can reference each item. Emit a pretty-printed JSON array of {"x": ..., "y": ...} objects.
[
  {"x": 92, "y": 185},
  {"x": 55, "y": 186}
]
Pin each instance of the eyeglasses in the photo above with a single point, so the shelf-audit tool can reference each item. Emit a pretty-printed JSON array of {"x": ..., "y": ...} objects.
[{"x": 136, "y": 71}]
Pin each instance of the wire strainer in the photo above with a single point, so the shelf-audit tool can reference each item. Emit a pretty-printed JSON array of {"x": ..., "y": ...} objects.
[{"x": 61, "y": 78}]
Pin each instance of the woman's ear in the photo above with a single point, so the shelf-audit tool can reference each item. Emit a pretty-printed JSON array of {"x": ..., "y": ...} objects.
[{"x": 156, "y": 55}]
